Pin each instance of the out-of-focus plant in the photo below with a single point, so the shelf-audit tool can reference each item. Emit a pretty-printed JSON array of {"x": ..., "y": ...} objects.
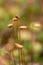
[
  {"x": 37, "y": 47},
  {"x": 40, "y": 37},
  {"x": 35, "y": 26}
]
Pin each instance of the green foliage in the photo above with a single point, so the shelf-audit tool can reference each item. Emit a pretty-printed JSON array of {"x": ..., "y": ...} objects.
[{"x": 40, "y": 37}]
